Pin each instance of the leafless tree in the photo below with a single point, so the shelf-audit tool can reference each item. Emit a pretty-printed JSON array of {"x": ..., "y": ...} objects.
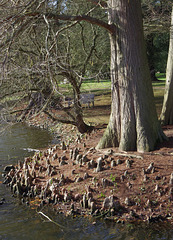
[{"x": 37, "y": 55}]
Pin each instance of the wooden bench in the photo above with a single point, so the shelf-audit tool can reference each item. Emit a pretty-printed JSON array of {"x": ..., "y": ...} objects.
[{"x": 87, "y": 98}]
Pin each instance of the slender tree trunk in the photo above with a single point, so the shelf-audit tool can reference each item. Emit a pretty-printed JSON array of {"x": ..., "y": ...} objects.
[
  {"x": 133, "y": 123},
  {"x": 78, "y": 113},
  {"x": 167, "y": 109}
]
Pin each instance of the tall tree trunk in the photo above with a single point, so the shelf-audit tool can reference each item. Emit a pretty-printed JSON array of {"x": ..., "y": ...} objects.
[
  {"x": 167, "y": 109},
  {"x": 133, "y": 123}
]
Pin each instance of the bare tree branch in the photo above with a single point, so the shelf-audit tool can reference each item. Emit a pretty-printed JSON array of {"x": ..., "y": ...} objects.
[{"x": 109, "y": 27}]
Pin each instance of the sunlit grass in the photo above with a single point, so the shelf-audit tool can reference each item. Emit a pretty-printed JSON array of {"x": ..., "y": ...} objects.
[
  {"x": 89, "y": 87},
  {"x": 162, "y": 79},
  {"x": 95, "y": 86},
  {"x": 101, "y": 115},
  {"x": 102, "y": 90}
]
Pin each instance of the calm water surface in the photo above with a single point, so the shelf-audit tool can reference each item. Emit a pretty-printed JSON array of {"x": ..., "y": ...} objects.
[{"x": 19, "y": 222}]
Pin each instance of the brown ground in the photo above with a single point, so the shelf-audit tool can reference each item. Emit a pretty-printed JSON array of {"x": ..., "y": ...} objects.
[
  {"x": 147, "y": 196},
  {"x": 137, "y": 195}
]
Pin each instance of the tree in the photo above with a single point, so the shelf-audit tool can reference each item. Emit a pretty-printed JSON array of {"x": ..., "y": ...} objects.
[
  {"x": 156, "y": 15},
  {"x": 166, "y": 116},
  {"x": 40, "y": 58},
  {"x": 156, "y": 29},
  {"x": 133, "y": 122},
  {"x": 157, "y": 51}
]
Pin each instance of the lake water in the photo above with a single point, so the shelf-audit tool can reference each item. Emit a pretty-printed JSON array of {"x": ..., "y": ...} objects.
[{"x": 19, "y": 222}]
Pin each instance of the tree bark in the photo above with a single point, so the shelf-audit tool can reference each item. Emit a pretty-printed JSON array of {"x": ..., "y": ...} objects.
[
  {"x": 81, "y": 125},
  {"x": 133, "y": 123},
  {"x": 78, "y": 116},
  {"x": 166, "y": 116}
]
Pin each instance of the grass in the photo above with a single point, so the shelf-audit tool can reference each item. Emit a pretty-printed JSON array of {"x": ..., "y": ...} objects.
[
  {"x": 159, "y": 89},
  {"x": 161, "y": 76},
  {"x": 101, "y": 112},
  {"x": 97, "y": 88},
  {"x": 104, "y": 86},
  {"x": 159, "y": 85},
  {"x": 102, "y": 90},
  {"x": 102, "y": 195}
]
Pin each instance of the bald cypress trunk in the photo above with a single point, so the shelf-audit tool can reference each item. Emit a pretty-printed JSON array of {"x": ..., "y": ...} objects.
[
  {"x": 133, "y": 123},
  {"x": 167, "y": 109}
]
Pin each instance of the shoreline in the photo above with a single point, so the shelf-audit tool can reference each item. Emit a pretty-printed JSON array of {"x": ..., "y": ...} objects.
[{"x": 75, "y": 178}]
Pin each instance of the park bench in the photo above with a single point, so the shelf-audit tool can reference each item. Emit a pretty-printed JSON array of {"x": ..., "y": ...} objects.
[{"x": 85, "y": 98}]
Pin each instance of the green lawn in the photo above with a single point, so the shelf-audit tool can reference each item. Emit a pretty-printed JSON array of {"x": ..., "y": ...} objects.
[
  {"x": 162, "y": 78},
  {"x": 95, "y": 87},
  {"x": 102, "y": 90},
  {"x": 100, "y": 113},
  {"x": 104, "y": 86}
]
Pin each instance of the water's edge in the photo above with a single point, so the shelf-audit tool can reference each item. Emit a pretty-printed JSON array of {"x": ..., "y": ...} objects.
[{"x": 20, "y": 222}]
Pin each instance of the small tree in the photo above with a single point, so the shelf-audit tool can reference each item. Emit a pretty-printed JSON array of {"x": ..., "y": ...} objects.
[
  {"x": 156, "y": 29},
  {"x": 44, "y": 52},
  {"x": 166, "y": 116}
]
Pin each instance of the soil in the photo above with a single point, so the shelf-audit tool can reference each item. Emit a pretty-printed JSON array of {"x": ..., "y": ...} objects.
[{"x": 129, "y": 186}]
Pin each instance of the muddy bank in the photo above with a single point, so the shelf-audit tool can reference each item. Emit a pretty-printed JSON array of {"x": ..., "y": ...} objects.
[{"x": 75, "y": 178}]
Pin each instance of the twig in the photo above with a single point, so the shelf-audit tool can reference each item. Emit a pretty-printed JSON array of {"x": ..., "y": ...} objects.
[
  {"x": 102, "y": 215},
  {"x": 128, "y": 155},
  {"x": 121, "y": 154},
  {"x": 44, "y": 215}
]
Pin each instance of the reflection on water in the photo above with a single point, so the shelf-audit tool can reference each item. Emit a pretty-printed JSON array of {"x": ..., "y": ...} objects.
[
  {"x": 19, "y": 222},
  {"x": 18, "y": 137},
  {"x": 29, "y": 225},
  {"x": 15, "y": 220}
]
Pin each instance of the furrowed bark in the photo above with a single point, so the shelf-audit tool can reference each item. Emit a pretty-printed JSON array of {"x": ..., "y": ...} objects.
[
  {"x": 166, "y": 116},
  {"x": 133, "y": 122}
]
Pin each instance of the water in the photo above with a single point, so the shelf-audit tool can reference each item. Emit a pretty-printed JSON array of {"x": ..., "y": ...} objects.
[{"x": 19, "y": 222}]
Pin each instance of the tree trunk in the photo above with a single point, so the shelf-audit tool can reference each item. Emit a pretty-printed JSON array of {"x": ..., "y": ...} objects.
[
  {"x": 78, "y": 113},
  {"x": 167, "y": 109},
  {"x": 133, "y": 123},
  {"x": 81, "y": 125}
]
